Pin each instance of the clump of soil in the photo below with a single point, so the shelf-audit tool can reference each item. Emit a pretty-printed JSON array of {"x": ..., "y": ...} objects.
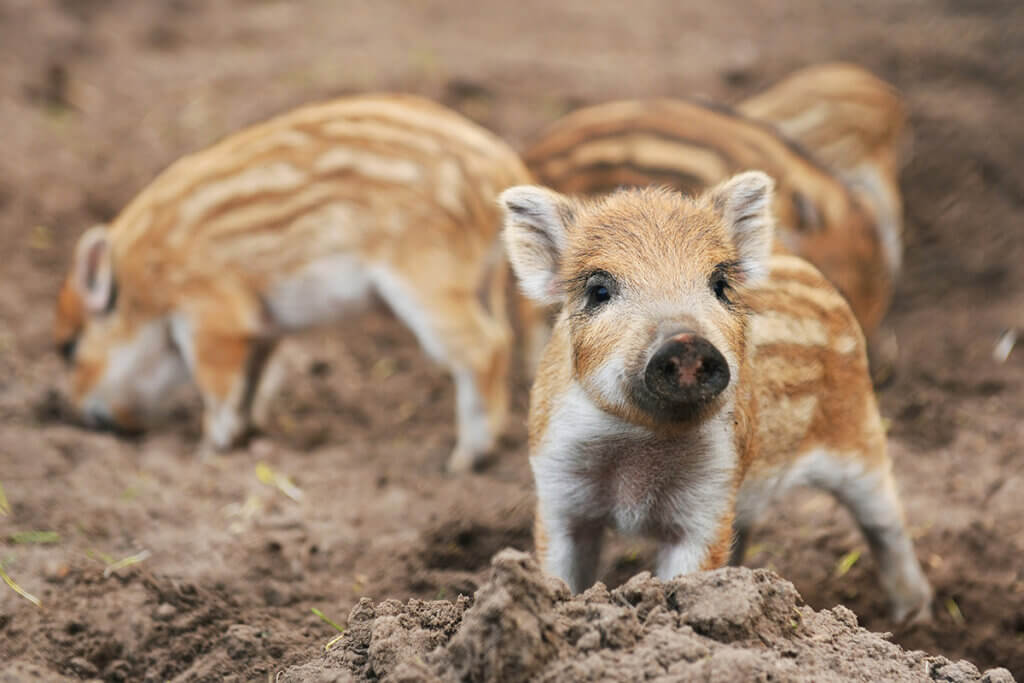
[{"x": 729, "y": 624}]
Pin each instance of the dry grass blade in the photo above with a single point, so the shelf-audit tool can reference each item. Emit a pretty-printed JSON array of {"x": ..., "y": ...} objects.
[
  {"x": 846, "y": 563},
  {"x": 126, "y": 562},
  {"x": 5, "y": 507},
  {"x": 271, "y": 478},
  {"x": 18, "y": 589},
  {"x": 35, "y": 537},
  {"x": 954, "y": 610},
  {"x": 331, "y": 643},
  {"x": 1005, "y": 345}
]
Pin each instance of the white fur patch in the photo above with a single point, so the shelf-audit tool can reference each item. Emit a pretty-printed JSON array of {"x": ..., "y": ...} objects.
[
  {"x": 779, "y": 369},
  {"x": 403, "y": 302},
  {"x": 368, "y": 165},
  {"x": 607, "y": 382},
  {"x": 827, "y": 298},
  {"x": 772, "y": 327},
  {"x": 138, "y": 374},
  {"x": 818, "y": 468},
  {"x": 320, "y": 292},
  {"x": 845, "y": 344},
  {"x": 593, "y": 468}
]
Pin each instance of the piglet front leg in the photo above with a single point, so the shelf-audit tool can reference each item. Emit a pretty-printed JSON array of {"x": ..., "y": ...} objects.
[{"x": 569, "y": 549}]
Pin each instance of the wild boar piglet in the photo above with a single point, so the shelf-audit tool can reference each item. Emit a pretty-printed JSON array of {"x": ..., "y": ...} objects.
[
  {"x": 690, "y": 377},
  {"x": 289, "y": 224}
]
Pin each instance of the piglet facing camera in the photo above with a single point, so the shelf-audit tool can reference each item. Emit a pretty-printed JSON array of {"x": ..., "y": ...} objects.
[{"x": 690, "y": 377}]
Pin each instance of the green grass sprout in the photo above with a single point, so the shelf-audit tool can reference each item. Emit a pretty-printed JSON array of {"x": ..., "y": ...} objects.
[
  {"x": 954, "y": 610},
  {"x": 99, "y": 555},
  {"x": 5, "y": 507},
  {"x": 327, "y": 620},
  {"x": 35, "y": 537},
  {"x": 126, "y": 562},
  {"x": 846, "y": 563},
  {"x": 269, "y": 477}
]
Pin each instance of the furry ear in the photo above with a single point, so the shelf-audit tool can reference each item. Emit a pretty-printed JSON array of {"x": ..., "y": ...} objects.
[
  {"x": 745, "y": 203},
  {"x": 536, "y": 222},
  {"x": 93, "y": 270}
]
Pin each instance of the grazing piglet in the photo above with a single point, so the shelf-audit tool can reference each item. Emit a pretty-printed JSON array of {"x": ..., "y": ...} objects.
[
  {"x": 692, "y": 376},
  {"x": 290, "y": 224}
]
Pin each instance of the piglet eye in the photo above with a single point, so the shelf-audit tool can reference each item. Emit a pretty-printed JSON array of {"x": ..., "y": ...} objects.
[
  {"x": 720, "y": 285},
  {"x": 598, "y": 291},
  {"x": 67, "y": 349}
]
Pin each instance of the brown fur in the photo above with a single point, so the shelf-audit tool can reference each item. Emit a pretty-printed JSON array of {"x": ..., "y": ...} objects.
[
  {"x": 842, "y": 113},
  {"x": 691, "y": 147}
]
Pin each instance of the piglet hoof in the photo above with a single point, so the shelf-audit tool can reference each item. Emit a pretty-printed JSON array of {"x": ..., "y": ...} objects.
[
  {"x": 914, "y": 612},
  {"x": 206, "y": 452},
  {"x": 461, "y": 461},
  {"x": 883, "y": 356}
]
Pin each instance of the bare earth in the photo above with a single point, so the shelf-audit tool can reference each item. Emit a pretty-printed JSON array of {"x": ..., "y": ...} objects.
[{"x": 97, "y": 96}]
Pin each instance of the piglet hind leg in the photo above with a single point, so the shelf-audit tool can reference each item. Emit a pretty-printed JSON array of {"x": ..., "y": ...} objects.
[
  {"x": 455, "y": 329},
  {"x": 869, "y": 493}
]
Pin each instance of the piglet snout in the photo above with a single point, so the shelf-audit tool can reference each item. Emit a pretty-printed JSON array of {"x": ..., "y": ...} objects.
[{"x": 686, "y": 369}]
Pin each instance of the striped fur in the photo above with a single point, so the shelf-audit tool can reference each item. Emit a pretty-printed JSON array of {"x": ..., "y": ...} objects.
[
  {"x": 798, "y": 408},
  {"x": 691, "y": 147},
  {"x": 854, "y": 123},
  {"x": 292, "y": 223}
]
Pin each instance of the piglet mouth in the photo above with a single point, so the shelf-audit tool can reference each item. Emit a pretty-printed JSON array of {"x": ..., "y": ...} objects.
[
  {"x": 682, "y": 377},
  {"x": 121, "y": 425}
]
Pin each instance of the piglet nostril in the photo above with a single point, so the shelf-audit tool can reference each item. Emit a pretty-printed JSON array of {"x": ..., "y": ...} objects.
[{"x": 101, "y": 420}]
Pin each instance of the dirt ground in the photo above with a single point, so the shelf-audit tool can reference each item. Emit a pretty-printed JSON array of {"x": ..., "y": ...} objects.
[{"x": 97, "y": 96}]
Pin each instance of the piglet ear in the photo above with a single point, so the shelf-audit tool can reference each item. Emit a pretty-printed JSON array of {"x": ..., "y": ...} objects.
[
  {"x": 745, "y": 203},
  {"x": 536, "y": 223},
  {"x": 93, "y": 270}
]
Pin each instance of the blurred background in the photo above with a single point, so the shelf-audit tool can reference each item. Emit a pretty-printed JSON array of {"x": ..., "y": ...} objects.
[{"x": 98, "y": 96}]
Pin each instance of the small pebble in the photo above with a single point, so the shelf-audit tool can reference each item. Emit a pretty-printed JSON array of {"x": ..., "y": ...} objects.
[{"x": 165, "y": 612}]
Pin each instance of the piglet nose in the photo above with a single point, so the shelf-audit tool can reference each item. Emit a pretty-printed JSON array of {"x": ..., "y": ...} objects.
[{"x": 686, "y": 368}]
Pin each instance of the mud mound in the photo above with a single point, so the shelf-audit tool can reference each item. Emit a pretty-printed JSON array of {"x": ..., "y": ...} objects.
[{"x": 731, "y": 624}]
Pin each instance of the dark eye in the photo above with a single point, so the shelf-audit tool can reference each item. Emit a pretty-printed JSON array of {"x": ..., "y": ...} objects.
[
  {"x": 720, "y": 285},
  {"x": 67, "y": 349},
  {"x": 599, "y": 290},
  {"x": 598, "y": 295}
]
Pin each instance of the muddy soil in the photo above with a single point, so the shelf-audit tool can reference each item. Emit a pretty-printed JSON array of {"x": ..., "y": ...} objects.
[{"x": 97, "y": 96}]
